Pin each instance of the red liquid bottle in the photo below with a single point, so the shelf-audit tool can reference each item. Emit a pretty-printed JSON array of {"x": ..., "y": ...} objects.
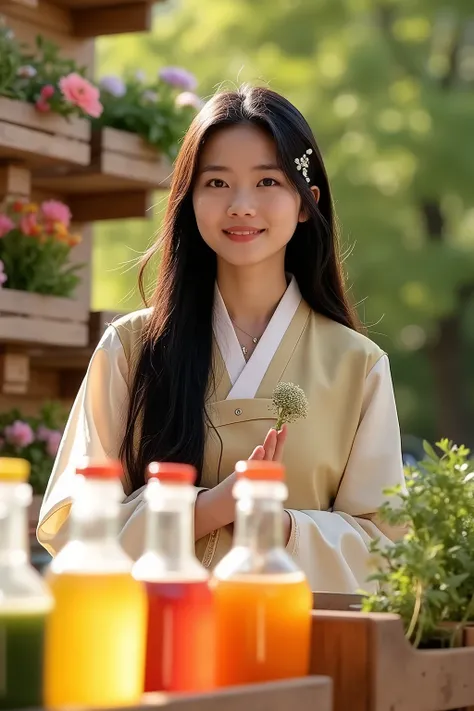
[{"x": 180, "y": 654}]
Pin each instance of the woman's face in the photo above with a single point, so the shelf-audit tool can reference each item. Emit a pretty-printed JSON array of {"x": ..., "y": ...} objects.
[{"x": 246, "y": 210}]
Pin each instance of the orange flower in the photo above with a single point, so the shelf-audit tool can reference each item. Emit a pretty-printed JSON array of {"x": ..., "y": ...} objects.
[
  {"x": 60, "y": 231},
  {"x": 74, "y": 240},
  {"x": 29, "y": 208}
]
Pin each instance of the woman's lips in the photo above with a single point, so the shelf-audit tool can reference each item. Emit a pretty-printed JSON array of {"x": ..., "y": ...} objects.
[{"x": 242, "y": 233}]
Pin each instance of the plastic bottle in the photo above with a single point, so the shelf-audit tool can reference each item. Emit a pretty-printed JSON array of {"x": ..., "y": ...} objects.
[
  {"x": 95, "y": 640},
  {"x": 180, "y": 642},
  {"x": 263, "y": 601},
  {"x": 25, "y": 601}
]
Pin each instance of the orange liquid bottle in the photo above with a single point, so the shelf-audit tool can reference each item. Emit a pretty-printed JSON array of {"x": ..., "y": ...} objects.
[
  {"x": 95, "y": 638},
  {"x": 180, "y": 654},
  {"x": 263, "y": 601}
]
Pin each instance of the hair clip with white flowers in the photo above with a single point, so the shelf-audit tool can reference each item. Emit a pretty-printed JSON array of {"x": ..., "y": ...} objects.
[{"x": 302, "y": 164}]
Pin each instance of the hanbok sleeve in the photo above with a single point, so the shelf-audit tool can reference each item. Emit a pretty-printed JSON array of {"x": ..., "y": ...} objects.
[{"x": 332, "y": 547}]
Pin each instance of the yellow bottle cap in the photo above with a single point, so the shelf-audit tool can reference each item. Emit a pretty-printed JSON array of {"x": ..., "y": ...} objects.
[{"x": 14, "y": 469}]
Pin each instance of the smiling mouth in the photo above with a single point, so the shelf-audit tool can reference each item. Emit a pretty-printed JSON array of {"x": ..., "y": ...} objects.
[{"x": 243, "y": 233}]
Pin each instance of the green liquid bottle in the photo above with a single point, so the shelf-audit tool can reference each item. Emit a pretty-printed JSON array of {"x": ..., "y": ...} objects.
[{"x": 25, "y": 600}]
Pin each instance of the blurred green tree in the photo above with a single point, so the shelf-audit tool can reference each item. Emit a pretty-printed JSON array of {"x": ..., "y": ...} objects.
[{"x": 388, "y": 87}]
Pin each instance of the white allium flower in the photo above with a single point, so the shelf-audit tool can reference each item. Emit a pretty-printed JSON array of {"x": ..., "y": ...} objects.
[{"x": 289, "y": 403}]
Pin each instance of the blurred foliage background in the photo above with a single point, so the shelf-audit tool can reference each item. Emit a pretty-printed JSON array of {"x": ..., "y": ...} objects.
[{"x": 388, "y": 87}]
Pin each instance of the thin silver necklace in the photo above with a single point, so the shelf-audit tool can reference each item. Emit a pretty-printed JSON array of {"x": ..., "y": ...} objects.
[{"x": 255, "y": 340}]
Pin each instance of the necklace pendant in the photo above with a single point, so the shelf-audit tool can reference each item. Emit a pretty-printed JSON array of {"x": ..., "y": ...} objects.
[
  {"x": 244, "y": 350},
  {"x": 254, "y": 340}
]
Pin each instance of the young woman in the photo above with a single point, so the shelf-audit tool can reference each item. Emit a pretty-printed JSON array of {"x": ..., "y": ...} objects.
[{"x": 250, "y": 293}]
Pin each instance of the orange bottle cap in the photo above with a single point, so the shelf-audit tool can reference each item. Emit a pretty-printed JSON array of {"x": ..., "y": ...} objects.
[
  {"x": 100, "y": 469},
  {"x": 171, "y": 472},
  {"x": 260, "y": 470}
]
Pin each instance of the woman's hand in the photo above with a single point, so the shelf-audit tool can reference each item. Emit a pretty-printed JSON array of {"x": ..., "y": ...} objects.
[
  {"x": 216, "y": 507},
  {"x": 272, "y": 448}
]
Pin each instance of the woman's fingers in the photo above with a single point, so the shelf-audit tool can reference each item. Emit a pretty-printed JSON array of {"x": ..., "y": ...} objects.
[
  {"x": 258, "y": 453},
  {"x": 270, "y": 444},
  {"x": 280, "y": 444}
]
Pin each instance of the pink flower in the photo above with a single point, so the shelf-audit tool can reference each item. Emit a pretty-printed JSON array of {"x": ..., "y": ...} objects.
[
  {"x": 56, "y": 211},
  {"x": 81, "y": 93},
  {"x": 53, "y": 442},
  {"x": 19, "y": 434},
  {"x": 6, "y": 225},
  {"x": 47, "y": 92},
  {"x": 42, "y": 433},
  {"x": 42, "y": 106},
  {"x": 3, "y": 276},
  {"x": 29, "y": 225}
]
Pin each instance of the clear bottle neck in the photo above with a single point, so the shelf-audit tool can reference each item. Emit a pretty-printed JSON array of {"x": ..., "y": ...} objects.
[
  {"x": 169, "y": 528},
  {"x": 14, "y": 501},
  {"x": 94, "y": 517},
  {"x": 259, "y": 515}
]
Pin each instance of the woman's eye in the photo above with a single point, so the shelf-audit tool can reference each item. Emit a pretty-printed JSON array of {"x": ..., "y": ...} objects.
[
  {"x": 217, "y": 183},
  {"x": 268, "y": 182}
]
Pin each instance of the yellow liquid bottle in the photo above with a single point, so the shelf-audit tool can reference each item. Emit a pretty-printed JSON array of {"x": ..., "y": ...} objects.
[
  {"x": 95, "y": 638},
  {"x": 262, "y": 599}
]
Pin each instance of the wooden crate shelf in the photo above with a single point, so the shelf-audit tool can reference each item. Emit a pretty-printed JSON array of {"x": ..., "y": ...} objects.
[
  {"x": 27, "y": 318},
  {"x": 35, "y": 140},
  {"x": 86, "y": 18},
  {"x": 374, "y": 668},
  {"x": 122, "y": 166}
]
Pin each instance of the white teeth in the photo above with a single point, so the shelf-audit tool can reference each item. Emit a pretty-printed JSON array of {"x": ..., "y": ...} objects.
[{"x": 253, "y": 232}]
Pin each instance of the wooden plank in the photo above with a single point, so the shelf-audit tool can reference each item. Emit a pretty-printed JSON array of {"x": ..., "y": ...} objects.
[
  {"x": 41, "y": 16},
  {"x": 15, "y": 329},
  {"x": 83, "y": 4},
  {"x": 306, "y": 694},
  {"x": 106, "y": 206},
  {"x": 23, "y": 114},
  {"x": 374, "y": 668},
  {"x": 155, "y": 174},
  {"x": 26, "y": 3},
  {"x": 15, "y": 181},
  {"x": 336, "y": 601},
  {"x": 34, "y": 147},
  {"x": 94, "y": 22},
  {"x": 123, "y": 142},
  {"x": 56, "y": 308}
]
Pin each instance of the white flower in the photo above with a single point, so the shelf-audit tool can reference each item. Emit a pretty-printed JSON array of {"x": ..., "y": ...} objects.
[
  {"x": 26, "y": 71},
  {"x": 188, "y": 98}
]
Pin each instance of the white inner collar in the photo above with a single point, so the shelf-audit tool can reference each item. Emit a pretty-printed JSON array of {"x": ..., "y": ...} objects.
[{"x": 246, "y": 376}]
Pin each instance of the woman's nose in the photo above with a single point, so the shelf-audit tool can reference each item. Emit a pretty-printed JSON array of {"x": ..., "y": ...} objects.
[{"x": 241, "y": 206}]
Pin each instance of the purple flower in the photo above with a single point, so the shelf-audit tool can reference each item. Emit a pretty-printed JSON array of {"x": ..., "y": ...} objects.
[
  {"x": 188, "y": 98},
  {"x": 19, "y": 434},
  {"x": 52, "y": 445},
  {"x": 42, "y": 433},
  {"x": 113, "y": 85},
  {"x": 178, "y": 77}
]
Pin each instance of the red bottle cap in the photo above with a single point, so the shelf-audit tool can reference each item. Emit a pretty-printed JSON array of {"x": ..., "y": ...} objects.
[
  {"x": 100, "y": 469},
  {"x": 171, "y": 473},
  {"x": 260, "y": 470}
]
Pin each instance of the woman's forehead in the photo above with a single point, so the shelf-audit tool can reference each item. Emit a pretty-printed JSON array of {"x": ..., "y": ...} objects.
[{"x": 242, "y": 144}]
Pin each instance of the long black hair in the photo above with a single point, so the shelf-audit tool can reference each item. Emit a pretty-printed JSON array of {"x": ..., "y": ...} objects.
[{"x": 166, "y": 419}]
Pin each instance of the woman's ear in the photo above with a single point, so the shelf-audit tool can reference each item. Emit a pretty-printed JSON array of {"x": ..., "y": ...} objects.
[{"x": 316, "y": 192}]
